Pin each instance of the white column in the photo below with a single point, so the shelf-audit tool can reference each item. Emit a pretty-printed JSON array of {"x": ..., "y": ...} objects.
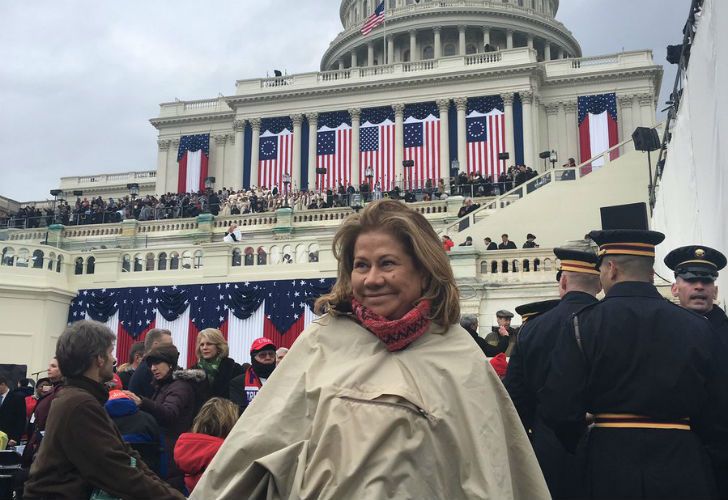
[
  {"x": 444, "y": 106},
  {"x": 161, "y": 179},
  {"x": 236, "y": 172},
  {"x": 354, "y": 59},
  {"x": 552, "y": 119},
  {"x": 508, "y": 108},
  {"x": 390, "y": 50},
  {"x": 399, "y": 143},
  {"x": 529, "y": 41},
  {"x": 370, "y": 54},
  {"x": 413, "y": 45},
  {"x": 172, "y": 166},
  {"x": 461, "y": 104},
  {"x": 296, "y": 164},
  {"x": 626, "y": 120},
  {"x": 438, "y": 42},
  {"x": 219, "y": 171},
  {"x": 461, "y": 40},
  {"x": 341, "y": 63},
  {"x": 547, "y": 51},
  {"x": 254, "y": 151},
  {"x": 486, "y": 37},
  {"x": 527, "y": 101},
  {"x": 647, "y": 110},
  {"x": 509, "y": 39},
  {"x": 355, "y": 123},
  {"x": 572, "y": 131},
  {"x": 312, "y": 131}
]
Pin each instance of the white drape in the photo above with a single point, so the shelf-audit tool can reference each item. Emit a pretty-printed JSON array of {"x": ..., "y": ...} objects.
[
  {"x": 180, "y": 330},
  {"x": 194, "y": 164},
  {"x": 691, "y": 201},
  {"x": 598, "y": 136},
  {"x": 242, "y": 333}
]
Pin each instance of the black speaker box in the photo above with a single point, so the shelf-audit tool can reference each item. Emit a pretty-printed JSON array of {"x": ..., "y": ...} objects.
[
  {"x": 631, "y": 216},
  {"x": 321, "y": 171},
  {"x": 504, "y": 156},
  {"x": 646, "y": 139}
]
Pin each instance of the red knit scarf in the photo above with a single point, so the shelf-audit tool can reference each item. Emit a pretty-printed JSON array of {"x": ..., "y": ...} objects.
[{"x": 399, "y": 333}]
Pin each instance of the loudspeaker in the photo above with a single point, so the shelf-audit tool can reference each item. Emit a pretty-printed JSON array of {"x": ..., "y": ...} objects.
[
  {"x": 631, "y": 216},
  {"x": 408, "y": 163},
  {"x": 544, "y": 155},
  {"x": 321, "y": 170},
  {"x": 504, "y": 156},
  {"x": 674, "y": 52},
  {"x": 56, "y": 192},
  {"x": 646, "y": 139}
]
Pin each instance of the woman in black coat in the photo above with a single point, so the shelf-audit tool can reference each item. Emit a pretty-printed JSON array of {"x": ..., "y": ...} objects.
[{"x": 212, "y": 357}]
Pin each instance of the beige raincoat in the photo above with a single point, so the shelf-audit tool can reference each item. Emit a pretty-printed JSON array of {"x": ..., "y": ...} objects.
[{"x": 342, "y": 417}]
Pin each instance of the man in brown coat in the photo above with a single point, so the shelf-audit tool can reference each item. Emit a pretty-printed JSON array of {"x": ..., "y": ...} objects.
[{"x": 82, "y": 450}]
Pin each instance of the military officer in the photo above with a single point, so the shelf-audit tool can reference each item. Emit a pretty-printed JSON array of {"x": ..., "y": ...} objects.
[
  {"x": 642, "y": 366},
  {"x": 578, "y": 286}
]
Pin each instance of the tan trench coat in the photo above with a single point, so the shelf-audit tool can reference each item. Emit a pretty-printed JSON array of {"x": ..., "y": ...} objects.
[{"x": 342, "y": 417}]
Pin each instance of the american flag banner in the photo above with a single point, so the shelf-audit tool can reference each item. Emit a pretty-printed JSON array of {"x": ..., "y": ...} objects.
[
  {"x": 192, "y": 158},
  {"x": 275, "y": 156},
  {"x": 421, "y": 144},
  {"x": 375, "y": 19},
  {"x": 333, "y": 150},
  {"x": 376, "y": 146},
  {"x": 243, "y": 311},
  {"x": 597, "y": 126},
  {"x": 485, "y": 135}
]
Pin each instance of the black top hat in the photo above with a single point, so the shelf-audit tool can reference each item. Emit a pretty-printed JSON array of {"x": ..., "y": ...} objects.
[
  {"x": 533, "y": 309},
  {"x": 576, "y": 261},
  {"x": 696, "y": 262}
]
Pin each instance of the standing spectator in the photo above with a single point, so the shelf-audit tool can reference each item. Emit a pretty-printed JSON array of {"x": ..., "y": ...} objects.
[
  {"x": 136, "y": 354},
  {"x": 42, "y": 388},
  {"x": 470, "y": 323},
  {"x": 195, "y": 450},
  {"x": 447, "y": 243},
  {"x": 40, "y": 415},
  {"x": 490, "y": 244},
  {"x": 468, "y": 206},
  {"x": 12, "y": 412},
  {"x": 280, "y": 354},
  {"x": 530, "y": 241},
  {"x": 141, "y": 381},
  {"x": 506, "y": 244},
  {"x": 173, "y": 403},
  {"x": 467, "y": 243},
  {"x": 82, "y": 450},
  {"x": 213, "y": 357},
  {"x": 245, "y": 387},
  {"x": 502, "y": 338}
]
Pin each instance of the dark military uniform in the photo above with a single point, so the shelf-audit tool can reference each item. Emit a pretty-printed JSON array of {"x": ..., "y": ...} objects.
[
  {"x": 642, "y": 366},
  {"x": 527, "y": 372}
]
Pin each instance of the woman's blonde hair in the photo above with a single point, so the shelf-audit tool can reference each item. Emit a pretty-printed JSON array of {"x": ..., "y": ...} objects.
[
  {"x": 215, "y": 336},
  {"x": 217, "y": 417},
  {"x": 419, "y": 241}
]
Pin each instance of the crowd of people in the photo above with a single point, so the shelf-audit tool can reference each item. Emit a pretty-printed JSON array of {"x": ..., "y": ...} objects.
[
  {"x": 394, "y": 393},
  {"x": 226, "y": 201}
]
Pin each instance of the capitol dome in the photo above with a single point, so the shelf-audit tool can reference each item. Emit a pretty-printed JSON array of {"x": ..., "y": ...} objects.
[{"x": 430, "y": 29}]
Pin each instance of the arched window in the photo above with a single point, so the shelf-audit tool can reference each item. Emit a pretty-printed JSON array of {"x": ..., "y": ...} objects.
[
  {"x": 197, "y": 259},
  {"x": 428, "y": 52},
  {"x": 51, "y": 260},
  {"x": 150, "y": 262},
  {"x": 8, "y": 256},
  {"x": 162, "y": 262},
  {"x": 78, "y": 266},
  {"x": 138, "y": 263},
  {"x": 23, "y": 258},
  {"x": 313, "y": 252},
  {"x": 301, "y": 253},
  {"x": 126, "y": 264},
  {"x": 275, "y": 255},
  {"x": 236, "y": 258},
  {"x": 470, "y": 49},
  {"x": 91, "y": 265},
  {"x": 249, "y": 256},
  {"x": 450, "y": 49},
  {"x": 38, "y": 259},
  {"x": 59, "y": 264},
  {"x": 288, "y": 254},
  {"x": 173, "y": 261},
  {"x": 262, "y": 256},
  {"x": 187, "y": 260}
]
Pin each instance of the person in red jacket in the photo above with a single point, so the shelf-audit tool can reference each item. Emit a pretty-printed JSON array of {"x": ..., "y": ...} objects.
[{"x": 195, "y": 450}]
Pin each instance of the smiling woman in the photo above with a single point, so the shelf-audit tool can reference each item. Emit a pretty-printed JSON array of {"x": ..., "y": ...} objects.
[{"x": 385, "y": 396}]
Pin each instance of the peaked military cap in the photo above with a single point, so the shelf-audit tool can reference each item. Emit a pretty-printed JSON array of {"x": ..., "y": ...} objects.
[
  {"x": 533, "y": 309},
  {"x": 576, "y": 261},
  {"x": 696, "y": 262},
  {"x": 637, "y": 242}
]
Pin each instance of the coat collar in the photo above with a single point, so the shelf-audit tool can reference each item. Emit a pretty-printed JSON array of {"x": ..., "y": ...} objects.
[
  {"x": 97, "y": 389},
  {"x": 577, "y": 297},
  {"x": 634, "y": 289}
]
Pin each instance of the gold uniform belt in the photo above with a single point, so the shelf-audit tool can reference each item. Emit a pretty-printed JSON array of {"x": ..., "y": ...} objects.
[{"x": 632, "y": 421}]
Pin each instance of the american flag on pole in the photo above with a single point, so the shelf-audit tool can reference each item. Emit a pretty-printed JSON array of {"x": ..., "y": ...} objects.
[
  {"x": 275, "y": 152},
  {"x": 422, "y": 144},
  {"x": 374, "y": 20},
  {"x": 485, "y": 135},
  {"x": 597, "y": 126},
  {"x": 192, "y": 156},
  {"x": 333, "y": 149},
  {"x": 376, "y": 146}
]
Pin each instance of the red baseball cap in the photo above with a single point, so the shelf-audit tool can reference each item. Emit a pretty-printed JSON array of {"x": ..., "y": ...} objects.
[{"x": 260, "y": 344}]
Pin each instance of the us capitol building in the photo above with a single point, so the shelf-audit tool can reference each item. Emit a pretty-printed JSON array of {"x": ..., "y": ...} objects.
[{"x": 442, "y": 63}]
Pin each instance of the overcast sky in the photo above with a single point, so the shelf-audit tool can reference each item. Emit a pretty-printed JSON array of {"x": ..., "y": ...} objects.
[{"x": 79, "y": 80}]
